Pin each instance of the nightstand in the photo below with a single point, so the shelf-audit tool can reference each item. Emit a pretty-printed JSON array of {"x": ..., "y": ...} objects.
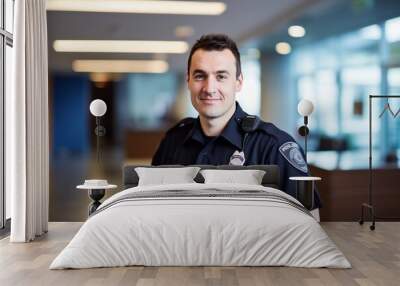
[
  {"x": 305, "y": 190},
  {"x": 96, "y": 190}
]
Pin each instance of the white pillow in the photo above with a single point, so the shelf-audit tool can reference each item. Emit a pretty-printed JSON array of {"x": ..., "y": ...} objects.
[
  {"x": 249, "y": 177},
  {"x": 163, "y": 176}
]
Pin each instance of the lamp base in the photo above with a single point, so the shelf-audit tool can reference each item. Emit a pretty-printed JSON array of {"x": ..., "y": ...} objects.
[
  {"x": 305, "y": 193},
  {"x": 96, "y": 195}
]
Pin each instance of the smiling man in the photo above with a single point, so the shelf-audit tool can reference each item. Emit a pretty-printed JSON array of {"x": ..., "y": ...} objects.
[
  {"x": 213, "y": 80},
  {"x": 223, "y": 133}
]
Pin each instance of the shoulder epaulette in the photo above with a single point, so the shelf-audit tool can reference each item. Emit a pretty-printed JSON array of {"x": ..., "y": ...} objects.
[
  {"x": 184, "y": 122},
  {"x": 266, "y": 126},
  {"x": 272, "y": 130}
]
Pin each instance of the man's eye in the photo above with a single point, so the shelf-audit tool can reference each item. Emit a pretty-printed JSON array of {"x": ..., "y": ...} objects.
[
  {"x": 221, "y": 77},
  {"x": 198, "y": 77}
]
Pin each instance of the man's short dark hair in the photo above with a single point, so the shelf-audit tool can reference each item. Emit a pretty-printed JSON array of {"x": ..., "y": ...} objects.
[{"x": 216, "y": 42}]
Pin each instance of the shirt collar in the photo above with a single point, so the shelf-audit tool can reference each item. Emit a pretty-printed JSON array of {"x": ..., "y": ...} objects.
[
  {"x": 196, "y": 133},
  {"x": 232, "y": 131}
]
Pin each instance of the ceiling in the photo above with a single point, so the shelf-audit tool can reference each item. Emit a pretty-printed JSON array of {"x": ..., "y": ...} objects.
[{"x": 244, "y": 21}]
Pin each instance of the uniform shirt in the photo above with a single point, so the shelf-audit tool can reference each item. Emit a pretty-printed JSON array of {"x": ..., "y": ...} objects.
[{"x": 186, "y": 144}]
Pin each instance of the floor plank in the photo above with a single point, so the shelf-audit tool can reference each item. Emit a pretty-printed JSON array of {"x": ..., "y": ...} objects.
[{"x": 375, "y": 257}]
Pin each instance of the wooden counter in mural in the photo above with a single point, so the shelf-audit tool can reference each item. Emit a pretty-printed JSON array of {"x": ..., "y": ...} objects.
[{"x": 344, "y": 185}]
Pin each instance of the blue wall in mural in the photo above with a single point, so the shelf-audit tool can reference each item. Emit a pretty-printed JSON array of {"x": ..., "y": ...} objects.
[{"x": 70, "y": 114}]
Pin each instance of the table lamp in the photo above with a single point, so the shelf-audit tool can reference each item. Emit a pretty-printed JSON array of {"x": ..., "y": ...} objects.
[
  {"x": 305, "y": 108},
  {"x": 305, "y": 185},
  {"x": 98, "y": 108}
]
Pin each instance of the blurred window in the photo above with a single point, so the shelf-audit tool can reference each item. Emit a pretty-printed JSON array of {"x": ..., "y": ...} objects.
[
  {"x": 6, "y": 60},
  {"x": 357, "y": 84},
  {"x": 9, "y": 15},
  {"x": 339, "y": 73},
  {"x": 250, "y": 96},
  {"x": 392, "y": 32},
  {"x": 326, "y": 101},
  {"x": 146, "y": 99},
  {"x": 394, "y": 123}
]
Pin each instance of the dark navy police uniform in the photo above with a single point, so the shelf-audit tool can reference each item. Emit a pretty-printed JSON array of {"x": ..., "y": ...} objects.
[{"x": 186, "y": 144}]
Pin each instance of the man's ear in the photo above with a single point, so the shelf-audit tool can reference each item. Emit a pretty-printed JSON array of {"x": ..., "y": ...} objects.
[{"x": 239, "y": 83}]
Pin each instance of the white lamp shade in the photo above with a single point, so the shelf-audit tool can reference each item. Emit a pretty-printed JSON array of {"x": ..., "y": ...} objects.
[
  {"x": 305, "y": 107},
  {"x": 98, "y": 107}
]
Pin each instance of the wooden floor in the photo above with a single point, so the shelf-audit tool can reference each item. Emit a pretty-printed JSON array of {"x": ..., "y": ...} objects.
[{"x": 374, "y": 255}]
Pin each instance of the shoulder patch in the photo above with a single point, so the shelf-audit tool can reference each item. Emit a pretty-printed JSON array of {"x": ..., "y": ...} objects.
[{"x": 291, "y": 152}]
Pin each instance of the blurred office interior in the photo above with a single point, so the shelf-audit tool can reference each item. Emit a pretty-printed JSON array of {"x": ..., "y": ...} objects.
[{"x": 350, "y": 49}]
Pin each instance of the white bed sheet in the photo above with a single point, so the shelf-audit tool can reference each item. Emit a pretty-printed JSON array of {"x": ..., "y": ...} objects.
[{"x": 200, "y": 231}]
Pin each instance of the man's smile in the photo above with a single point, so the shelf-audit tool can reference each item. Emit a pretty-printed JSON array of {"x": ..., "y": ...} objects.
[{"x": 210, "y": 100}]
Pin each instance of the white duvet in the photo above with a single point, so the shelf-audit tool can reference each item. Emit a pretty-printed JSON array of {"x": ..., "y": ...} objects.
[{"x": 182, "y": 231}]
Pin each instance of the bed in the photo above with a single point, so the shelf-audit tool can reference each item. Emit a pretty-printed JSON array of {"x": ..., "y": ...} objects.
[{"x": 201, "y": 223}]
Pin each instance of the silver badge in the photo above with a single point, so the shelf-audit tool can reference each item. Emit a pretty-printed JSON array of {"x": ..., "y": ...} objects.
[
  {"x": 237, "y": 159},
  {"x": 291, "y": 152}
]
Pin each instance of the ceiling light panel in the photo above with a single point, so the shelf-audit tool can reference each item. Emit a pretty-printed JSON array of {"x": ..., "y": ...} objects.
[
  {"x": 105, "y": 46},
  {"x": 120, "y": 66},
  {"x": 145, "y": 7}
]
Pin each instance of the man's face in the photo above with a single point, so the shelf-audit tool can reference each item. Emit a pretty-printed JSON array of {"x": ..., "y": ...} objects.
[{"x": 212, "y": 82}]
